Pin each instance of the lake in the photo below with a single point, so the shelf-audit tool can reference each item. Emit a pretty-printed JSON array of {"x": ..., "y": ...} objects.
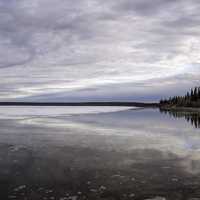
[{"x": 108, "y": 153}]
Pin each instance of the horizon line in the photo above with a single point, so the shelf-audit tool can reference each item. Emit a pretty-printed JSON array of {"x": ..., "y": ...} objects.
[{"x": 85, "y": 103}]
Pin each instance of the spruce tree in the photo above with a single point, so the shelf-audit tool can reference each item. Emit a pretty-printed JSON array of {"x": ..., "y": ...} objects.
[
  {"x": 195, "y": 94},
  {"x": 199, "y": 93},
  {"x": 191, "y": 98}
]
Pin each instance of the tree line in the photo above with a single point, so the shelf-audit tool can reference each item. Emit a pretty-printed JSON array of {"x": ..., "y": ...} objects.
[{"x": 191, "y": 99}]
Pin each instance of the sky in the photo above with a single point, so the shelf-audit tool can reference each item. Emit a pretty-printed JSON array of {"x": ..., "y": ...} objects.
[{"x": 86, "y": 50}]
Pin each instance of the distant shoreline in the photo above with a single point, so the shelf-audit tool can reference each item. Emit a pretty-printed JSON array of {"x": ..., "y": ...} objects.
[
  {"x": 125, "y": 104},
  {"x": 101, "y": 104},
  {"x": 180, "y": 109}
]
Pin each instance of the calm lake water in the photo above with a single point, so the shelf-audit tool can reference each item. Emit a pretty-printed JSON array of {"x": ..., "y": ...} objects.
[{"x": 98, "y": 153}]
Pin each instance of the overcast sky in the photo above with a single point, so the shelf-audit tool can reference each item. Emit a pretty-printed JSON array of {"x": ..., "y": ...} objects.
[{"x": 98, "y": 50}]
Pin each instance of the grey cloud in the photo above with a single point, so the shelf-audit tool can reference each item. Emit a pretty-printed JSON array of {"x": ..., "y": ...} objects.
[
  {"x": 19, "y": 27},
  {"x": 85, "y": 44},
  {"x": 146, "y": 7},
  {"x": 148, "y": 90}
]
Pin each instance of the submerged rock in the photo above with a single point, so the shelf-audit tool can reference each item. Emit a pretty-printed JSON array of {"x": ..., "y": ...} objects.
[
  {"x": 157, "y": 198},
  {"x": 102, "y": 188},
  {"x": 131, "y": 195},
  {"x": 21, "y": 187},
  {"x": 63, "y": 198},
  {"x": 73, "y": 198}
]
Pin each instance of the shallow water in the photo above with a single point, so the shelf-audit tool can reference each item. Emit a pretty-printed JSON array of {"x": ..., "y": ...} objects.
[{"x": 97, "y": 153}]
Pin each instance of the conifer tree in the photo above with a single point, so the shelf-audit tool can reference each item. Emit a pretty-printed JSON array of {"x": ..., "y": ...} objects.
[{"x": 191, "y": 98}]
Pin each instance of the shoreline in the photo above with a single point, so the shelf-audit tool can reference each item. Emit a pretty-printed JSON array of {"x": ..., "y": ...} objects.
[
  {"x": 102, "y": 104},
  {"x": 180, "y": 109},
  {"x": 125, "y": 104}
]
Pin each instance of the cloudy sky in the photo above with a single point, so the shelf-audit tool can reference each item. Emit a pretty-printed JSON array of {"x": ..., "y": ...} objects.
[{"x": 71, "y": 50}]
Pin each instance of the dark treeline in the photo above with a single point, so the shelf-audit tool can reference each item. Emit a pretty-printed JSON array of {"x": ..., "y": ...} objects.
[
  {"x": 191, "y": 99},
  {"x": 114, "y": 103},
  {"x": 193, "y": 118}
]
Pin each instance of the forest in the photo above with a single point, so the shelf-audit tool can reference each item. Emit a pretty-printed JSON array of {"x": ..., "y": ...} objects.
[{"x": 190, "y": 99}]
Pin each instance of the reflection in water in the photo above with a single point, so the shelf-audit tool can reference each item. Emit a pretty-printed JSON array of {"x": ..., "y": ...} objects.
[
  {"x": 192, "y": 117},
  {"x": 84, "y": 153}
]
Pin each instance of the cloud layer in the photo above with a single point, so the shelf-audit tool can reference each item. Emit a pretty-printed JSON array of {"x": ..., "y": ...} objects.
[{"x": 60, "y": 48}]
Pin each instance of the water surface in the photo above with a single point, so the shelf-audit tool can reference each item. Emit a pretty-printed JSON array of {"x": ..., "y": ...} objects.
[{"x": 97, "y": 153}]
